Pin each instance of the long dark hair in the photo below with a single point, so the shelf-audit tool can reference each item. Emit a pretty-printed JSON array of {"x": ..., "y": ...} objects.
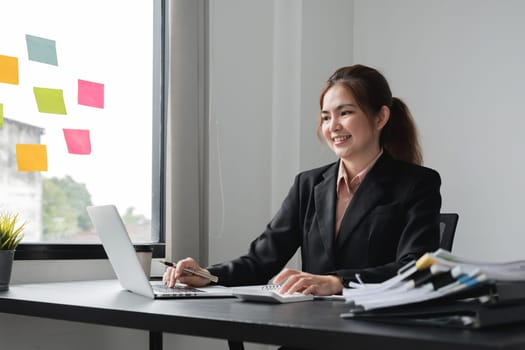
[{"x": 371, "y": 91}]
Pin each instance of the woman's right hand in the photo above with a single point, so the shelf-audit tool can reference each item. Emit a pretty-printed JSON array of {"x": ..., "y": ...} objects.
[{"x": 174, "y": 274}]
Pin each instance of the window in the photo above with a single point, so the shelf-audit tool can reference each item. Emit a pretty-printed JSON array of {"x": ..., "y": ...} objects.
[{"x": 80, "y": 116}]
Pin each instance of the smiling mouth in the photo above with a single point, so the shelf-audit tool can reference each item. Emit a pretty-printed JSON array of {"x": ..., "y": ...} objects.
[{"x": 340, "y": 139}]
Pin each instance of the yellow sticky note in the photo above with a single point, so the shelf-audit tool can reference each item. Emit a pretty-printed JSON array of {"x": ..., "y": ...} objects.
[
  {"x": 50, "y": 100},
  {"x": 8, "y": 70},
  {"x": 31, "y": 157}
]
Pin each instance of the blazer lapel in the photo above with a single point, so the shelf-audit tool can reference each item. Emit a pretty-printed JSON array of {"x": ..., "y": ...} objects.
[
  {"x": 366, "y": 198},
  {"x": 325, "y": 201}
]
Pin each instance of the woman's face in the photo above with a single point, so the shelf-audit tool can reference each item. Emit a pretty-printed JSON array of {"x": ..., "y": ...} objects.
[{"x": 350, "y": 134}]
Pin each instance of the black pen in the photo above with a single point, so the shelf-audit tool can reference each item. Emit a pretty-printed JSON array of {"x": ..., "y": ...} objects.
[{"x": 207, "y": 276}]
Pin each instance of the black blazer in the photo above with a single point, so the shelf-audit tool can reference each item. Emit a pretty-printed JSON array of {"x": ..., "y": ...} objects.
[{"x": 392, "y": 219}]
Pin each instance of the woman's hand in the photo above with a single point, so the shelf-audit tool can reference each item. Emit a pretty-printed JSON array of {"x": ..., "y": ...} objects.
[
  {"x": 297, "y": 281},
  {"x": 174, "y": 274}
]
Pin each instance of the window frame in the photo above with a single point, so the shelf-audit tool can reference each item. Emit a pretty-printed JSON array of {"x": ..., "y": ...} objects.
[{"x": 67, "y": 251}]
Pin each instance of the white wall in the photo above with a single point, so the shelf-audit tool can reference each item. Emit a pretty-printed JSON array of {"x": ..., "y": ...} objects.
[
  {"x": 268, "y": 61},
  {"x": 459, "y": 66}
]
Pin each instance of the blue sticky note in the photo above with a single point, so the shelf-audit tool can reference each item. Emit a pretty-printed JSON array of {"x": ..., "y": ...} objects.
[{"x": 41, "y": 50}]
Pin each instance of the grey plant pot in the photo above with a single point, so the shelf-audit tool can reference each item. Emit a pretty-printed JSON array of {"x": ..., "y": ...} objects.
[{"x": 6, "y": 265}]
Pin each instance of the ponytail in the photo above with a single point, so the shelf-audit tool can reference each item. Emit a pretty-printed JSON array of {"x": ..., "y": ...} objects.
[{"x": 399, "y": 136}]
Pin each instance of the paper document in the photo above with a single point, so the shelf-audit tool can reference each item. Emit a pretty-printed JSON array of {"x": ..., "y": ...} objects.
[{"x": 434, "y": 275}]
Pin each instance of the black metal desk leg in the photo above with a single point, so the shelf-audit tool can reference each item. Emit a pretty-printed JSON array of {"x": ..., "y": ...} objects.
[
  {"x": 235, "y": 345},
  {"x": 155, "y": 340}
]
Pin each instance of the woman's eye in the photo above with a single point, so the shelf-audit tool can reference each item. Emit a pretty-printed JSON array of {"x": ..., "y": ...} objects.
[
  {"x": 325, "y": 118},
  {"x": 346, "y": 112}
]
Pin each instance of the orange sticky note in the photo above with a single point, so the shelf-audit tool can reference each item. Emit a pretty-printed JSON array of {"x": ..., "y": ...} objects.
[
  {"x": 90, "y": 93},
  {"x": 31, "y": 157},
  {"x": 8, "y": 70},
  {"x": 77, "y": 141}
]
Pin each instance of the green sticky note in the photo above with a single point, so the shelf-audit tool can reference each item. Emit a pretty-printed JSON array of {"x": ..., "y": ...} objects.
[
  {"x": 41, "y": 50},
  {"x": 50, "y": 100},
  {"x": 1, "y": 115}
]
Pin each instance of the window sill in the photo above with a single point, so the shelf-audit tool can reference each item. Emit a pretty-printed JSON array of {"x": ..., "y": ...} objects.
[{"x": 59, "y": 251}]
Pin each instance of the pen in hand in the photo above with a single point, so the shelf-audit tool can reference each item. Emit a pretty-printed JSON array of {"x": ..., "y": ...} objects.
[{"x": 204, "y": 275}]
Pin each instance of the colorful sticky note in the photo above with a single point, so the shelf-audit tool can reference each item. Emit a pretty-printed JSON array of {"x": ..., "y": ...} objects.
[
  {"x": 50, "y": 100},
  {"x": 31, "y": 157},
  {"x": 90, "y": 94},
  {"x": 8, "y": 70},
  {"x": 41, "y": 50},
  {"x": 77, "y": 141},
  {"x": 1, "y": 115}
]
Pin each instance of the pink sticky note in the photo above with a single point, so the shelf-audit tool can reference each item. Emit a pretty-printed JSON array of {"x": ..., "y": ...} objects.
[
  {"x": 90, "y": 94},
  {"x": 77, "y": 141}
]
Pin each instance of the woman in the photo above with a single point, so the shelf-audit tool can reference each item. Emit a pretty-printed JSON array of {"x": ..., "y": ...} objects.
[{"x": 362, "y": 217}]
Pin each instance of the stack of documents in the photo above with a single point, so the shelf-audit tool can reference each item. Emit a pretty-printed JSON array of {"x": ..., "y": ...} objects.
[{"x": 438, "y": 279}]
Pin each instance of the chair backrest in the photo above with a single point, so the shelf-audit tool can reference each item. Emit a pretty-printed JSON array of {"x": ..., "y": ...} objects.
[{"x": 447, "y": 229}]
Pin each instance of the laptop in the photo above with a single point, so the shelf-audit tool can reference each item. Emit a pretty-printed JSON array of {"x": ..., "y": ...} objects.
[{"x": 123, "y": 258}]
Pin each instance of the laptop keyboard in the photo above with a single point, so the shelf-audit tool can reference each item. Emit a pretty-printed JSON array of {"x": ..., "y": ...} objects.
[{"x": 176, "y": 290}]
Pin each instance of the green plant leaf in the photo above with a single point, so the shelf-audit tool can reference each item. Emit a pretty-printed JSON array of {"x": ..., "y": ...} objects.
[{"x": 10, "y": 234}]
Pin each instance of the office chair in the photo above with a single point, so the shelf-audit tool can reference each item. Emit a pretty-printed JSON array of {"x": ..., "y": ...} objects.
[{"x": 447, "y": 229}]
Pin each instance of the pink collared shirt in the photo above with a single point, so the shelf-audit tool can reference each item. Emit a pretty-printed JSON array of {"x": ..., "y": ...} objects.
[{"x": 346, "y": 189}]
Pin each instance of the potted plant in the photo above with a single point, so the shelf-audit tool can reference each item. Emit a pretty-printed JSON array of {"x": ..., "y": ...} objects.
[{"x": 10, "y": 237}]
